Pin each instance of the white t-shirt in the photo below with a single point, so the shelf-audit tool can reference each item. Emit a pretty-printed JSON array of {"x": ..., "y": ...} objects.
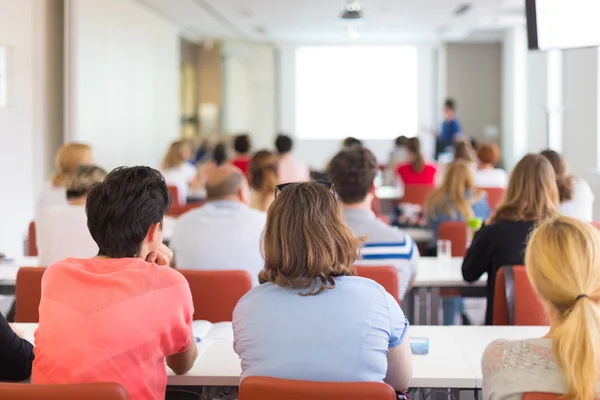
[
  {"x": 62, "y": 232},
  {"x": 221, "y": 235},
  {"x": 52, "y": 196},
  {"x": 491, "y": 178},
  {"x": 181, "y": 177},
  {"x": 581, "y": 205}
]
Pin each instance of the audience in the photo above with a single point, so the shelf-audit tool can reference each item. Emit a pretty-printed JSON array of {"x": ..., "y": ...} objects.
[
  {"x": 68, "y": 157},
  {"x": 118, "y": 316},
  {"x": 311, "y": 319},
  {"x": 263, "y": 178},
  {"x": 177, "y": 169},
  {"x": 400, "y": 154},
  {"x": 225, "y": 232},
  {"x": 220, "y": 154},
  {"x": 531, "y": 197},
  {"x": 289, "y": 169},
  {"x": 563, "y": 265},
  {"x": 576, "y": 197},
  {"x": 241, "y": 146},
  {"x": 353, "y": 172},
  {"x": 417, "y": 171},
  {"x": 350, "y": 143},
  {"x": 62, "y": 230},
  {"x": 17, "y": 354},
  {"x": 463, "y": 151},
  {"x": 487, "y": 176}
]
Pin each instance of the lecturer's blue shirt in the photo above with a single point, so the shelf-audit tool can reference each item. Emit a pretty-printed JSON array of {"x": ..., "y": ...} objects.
[
  {"x": 340, "y": 335},
  {"x": 449, "y": 130}
]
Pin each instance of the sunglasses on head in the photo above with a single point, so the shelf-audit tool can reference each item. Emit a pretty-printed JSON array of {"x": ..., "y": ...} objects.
[{"x": 327, "y": 185}]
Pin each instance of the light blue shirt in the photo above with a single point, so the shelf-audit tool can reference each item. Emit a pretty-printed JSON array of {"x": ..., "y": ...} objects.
[{"x": 340, "y": 335}]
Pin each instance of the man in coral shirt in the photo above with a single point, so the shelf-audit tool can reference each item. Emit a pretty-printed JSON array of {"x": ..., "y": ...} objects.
[{"x": 118, "y": 316}]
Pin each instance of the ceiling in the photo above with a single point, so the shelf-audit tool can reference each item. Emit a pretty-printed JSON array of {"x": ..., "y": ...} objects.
[{"x": 318, "y": 22}]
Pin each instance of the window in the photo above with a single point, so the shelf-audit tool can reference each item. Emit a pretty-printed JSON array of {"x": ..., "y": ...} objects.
[{"x": 368, "y": 92}]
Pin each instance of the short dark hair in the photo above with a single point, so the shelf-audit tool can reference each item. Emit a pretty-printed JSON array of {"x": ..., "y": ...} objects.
[
  {"x": 401, "y": 141},
  {"x": 353, "y": 172},
  {"x": 350, "y": 142},
  {"x": 450, "y": 104},
  {"x": 283, "y": 144},
  {"x": 122, "y": 208},
  {"x": 220, "y": 153},
  {"x": 241, "y": 144}
]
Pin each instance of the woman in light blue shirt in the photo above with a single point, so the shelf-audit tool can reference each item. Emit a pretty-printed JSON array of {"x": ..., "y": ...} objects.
[{"x": 311, "y": 318}]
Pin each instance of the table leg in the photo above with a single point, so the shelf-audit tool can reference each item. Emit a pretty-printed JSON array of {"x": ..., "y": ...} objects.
[
  {"x": 435, "y": 302},
  {"x": 423, "y": 306}
]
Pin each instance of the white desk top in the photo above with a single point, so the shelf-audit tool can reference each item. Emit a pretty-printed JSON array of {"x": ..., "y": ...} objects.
[
  {"x": 453, "y": 361},
  {"x": 8, "y": 271},
  {"x": 419, "y": 235},
  {"x": 434, "y": 273},
  {"x": 389, "y": 192}
]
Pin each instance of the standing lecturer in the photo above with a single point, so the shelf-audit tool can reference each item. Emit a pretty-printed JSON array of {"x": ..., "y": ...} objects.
[{"x": 450, "y": 127}]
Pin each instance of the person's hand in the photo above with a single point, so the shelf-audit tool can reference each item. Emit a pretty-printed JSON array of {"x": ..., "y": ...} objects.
[
  {"x": 17, "y": 332},
  {"x": 162, "y": 256}
]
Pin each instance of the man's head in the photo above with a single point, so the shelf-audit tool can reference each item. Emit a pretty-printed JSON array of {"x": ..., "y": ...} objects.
[
  {"x": 227, "y": 183},
  {"x": 81, "y": 180},
  {"x": 449, "y": 108},
  {"x": 241, "y": 144},
  {"x": 353, "y": 172},
  {"x": 126, "y": 211},
  {"x": 283, "y": 144}
]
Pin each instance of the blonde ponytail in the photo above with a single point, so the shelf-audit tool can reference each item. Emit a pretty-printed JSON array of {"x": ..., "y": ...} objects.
[{"x": 563, "y": 264}]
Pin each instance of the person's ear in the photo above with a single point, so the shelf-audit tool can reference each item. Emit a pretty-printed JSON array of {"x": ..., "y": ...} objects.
[
  {"x": 154, "y": 233},
  {"x": 372, "y": 190}
]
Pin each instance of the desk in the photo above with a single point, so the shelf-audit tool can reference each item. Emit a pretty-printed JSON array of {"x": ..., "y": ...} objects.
[{"x": 8, "y": 273}]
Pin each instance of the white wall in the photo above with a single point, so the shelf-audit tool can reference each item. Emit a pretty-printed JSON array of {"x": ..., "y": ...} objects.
[{"x": 123, "y": 97}]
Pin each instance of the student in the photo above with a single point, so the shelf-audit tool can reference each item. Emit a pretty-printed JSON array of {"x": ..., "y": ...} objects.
[
  {"x": 124, "y": 311},
  {"x": 177, "y": 169},
  {"x": 241, "y": 145},
  {"x": 531, "y": 197},
  {"x": 350, "y": 143},
  {"x": 225, "y": 232},
  {"x": 457, "y": 199},
  {"x": 17, "y": 354},
  {"x": 330, "y": 325},
  {"x": 62, "y": 230},
  {"x": 289, "y": 169},
  {"x": 563, "y": 265},
  {"x": 576, "y": 197},
  {"x": 68, "y": 157},
  {"x": 487, "y": 176},
  {"x": 417, "y": 171},
  {"x": 353, "y": 172},
  {"x": 463, "y": 151},
  {"x": 262, "y": 175},
  {"x": 399, "y": 155},
  {"x": 220, "y": 154}
]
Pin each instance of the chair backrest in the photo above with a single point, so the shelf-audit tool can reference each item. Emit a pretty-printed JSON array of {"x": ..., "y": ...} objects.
[
  {"x": 541, "y": 396},
  {"x": 386, "y": 276},
  {"x": 176, "y": 210},
  {"x": 263, "y": 388},
  {"x": 174, "y": 190},
  {"x": 456, "y": 232},
  {"x": 216, "y": 293},
  {"x": 417, "y": 194},
  {"x": 494, "y": 196},
  {"x": 87, "y": 391},
  {"x": 28, "y": 294},
  {"x": 32, "y": 250},
  {"x": 515, "y": 301}
]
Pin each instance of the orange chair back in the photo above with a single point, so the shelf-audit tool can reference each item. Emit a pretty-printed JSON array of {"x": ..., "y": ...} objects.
[
  {"x": 28, "y": 294},
  {"x": 386, "y": 276},
  {"x": 456, "y": 232},
  {"x": 87, "y": 391},
  {"x": 263, "y": 388},
  {"x": 216, "y": 293},
  {"x": 32, "y": 250},
  {"x": 516, "y": 303},
  {"x": 417, "y": 194},
  {"x": 177, "y": 210},
  {"x": 494, "y": 196},
  {"x": 174, "y": 190},
  {"x": 540, "y": 396}
]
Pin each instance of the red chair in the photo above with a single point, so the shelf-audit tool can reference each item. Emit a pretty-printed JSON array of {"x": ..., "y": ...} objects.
[
  {"x": 456, "y": 232},
  {"x": 386, "y": 276},
  {"x": 28, "y": 294},
  {"x": 177, "y": 210},
  {"x": 417, "y": 194},
  {"x": 264, "y": 388},
  {"x": 174, "y": 190},
  {"x": 88, "y": 391},
  {"x": 216, "y": 293},
  {"x": 494, "y": 196},
  {"x": 515, "y": 301},
  {"x": 32, "y": 250}
]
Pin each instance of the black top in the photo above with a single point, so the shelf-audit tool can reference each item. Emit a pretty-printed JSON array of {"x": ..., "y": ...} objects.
[
  {"x": 494, "y": 246},
  {"x": 16, "y": 354}
]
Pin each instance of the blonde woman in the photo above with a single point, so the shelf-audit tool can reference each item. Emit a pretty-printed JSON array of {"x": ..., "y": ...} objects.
[
  {"x": 563, "y": 264},
  {"x": 262, "y": 176},
  {"x": 68, "y": 157},
  {"x": 176, "y": 168},
  {"x": 457, "y": 199},
  {"x": 531, "y": 197}
]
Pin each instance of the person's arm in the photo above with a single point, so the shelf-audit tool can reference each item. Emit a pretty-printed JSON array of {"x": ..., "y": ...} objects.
[
  {"x": 182, "y": 362},
  {"x": 399, "y": 356},
  {"x": 16, "y": 354},
  {"x": 476, "y": 261}
]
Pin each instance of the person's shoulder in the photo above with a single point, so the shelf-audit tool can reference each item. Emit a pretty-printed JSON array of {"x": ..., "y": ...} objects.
[
  {"x": 359, "y": 285},
  {"x": 503, "y": 354},
  {"x": 431, "y": 166},
  {"x": 166, "y": 276},
  {"x": 382, "y": 234},
  {"x": 254, "y": 214},
  {"x": 582, "y": 188}
]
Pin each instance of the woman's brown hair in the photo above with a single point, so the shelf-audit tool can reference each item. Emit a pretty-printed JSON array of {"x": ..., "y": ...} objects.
[
  {"x": 564, "y": 182},
  {"x": 463, "y": 151},
  {"x": 68, "y": 157},
  {"x": 262, "y": 172},
  {"x": 532, "y": 194},
  {"x": 306, "y": 243},
  {"x": 414, "y": 148},
  {"x": 175, "y": 155},
  {"x": 488, "y": 153}
]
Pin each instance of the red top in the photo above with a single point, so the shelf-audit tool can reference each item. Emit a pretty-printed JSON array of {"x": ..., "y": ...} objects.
[
  {"x": 410, "y": 177},
  {"x": 242, "y": 163}
]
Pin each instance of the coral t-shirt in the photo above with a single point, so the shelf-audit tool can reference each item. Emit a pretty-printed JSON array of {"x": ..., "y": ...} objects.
[
  {"x": 111, "y": 320},
  {"x": 410, "y": 177},
  {"x": 243, "y": 163}
]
